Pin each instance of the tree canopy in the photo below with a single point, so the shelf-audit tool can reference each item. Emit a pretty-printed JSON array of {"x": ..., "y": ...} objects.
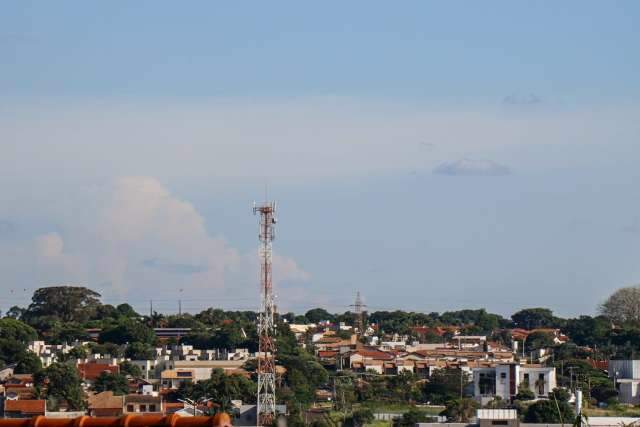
[{"x": 67, "y": 303}]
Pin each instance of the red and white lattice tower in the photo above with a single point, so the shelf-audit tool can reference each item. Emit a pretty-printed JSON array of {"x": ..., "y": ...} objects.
[{"x": 266, "y": 409}]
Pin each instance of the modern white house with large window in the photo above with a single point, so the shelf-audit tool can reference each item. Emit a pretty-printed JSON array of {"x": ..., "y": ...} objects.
[
  {"x": 626, "y": 377},
  {"x": 505, "y": 380}
]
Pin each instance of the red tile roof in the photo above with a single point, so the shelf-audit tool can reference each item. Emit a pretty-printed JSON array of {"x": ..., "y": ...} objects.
[
  {"x": 90, "y": 371},
  {"x": 25, "y": 406}
]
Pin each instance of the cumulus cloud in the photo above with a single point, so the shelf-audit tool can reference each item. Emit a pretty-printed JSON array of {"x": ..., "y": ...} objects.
[
  {"x": 469, "y": 167},
  {"x": 138, "y": 239}
]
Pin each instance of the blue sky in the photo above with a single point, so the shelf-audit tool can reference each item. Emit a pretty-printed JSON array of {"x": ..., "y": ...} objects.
[{"x": 434, "y": 156}]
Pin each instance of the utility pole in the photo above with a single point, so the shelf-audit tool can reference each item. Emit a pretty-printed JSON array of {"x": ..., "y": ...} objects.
[{"x": 266, "y": 401}]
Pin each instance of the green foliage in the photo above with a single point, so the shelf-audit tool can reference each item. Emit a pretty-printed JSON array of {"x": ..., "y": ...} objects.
[
  {"x": 60, "y": 382},
  {"x": 460, "y": 410},
  {"x": 549, "y": 412},
  {"x": 317, "y": 315},
  {"x": 125, "y": 310},
  {"x": 524, "y": 393},
  {"x": 27, "y": 363},
  {"x": 604, "y": 393},
  {"x": 499, "y": 403},
  {"x": 445, "y": 385},
  {"x": 532, "y": 318},
  {"x": 128, "y": 331},
  {"x": 538, "y": 340},
  {"x": 16, "y": 330},
  {"x": 117, "y": 383},
  {"x": 129, "y": 369},
  {"x": 360, "y": 417},
  {"x": 14, "y": 335},
  {"x": 221, "y": 388},
  {"x": 412, "y": 417},
  {"x": 66, "y": 303},
  {"x": 140, "y": 351},
  {"x": 588, "y": 331},
  {"x": 482, "y": 321},
  {"x": 110, "y": 348}
]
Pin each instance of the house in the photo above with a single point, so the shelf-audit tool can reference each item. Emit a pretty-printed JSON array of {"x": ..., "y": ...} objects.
[
  {"x": 202, "y": 369},
  {"x": 90, "y": 371},
  {"x": 7, "y": 371},
  {"x": 626, "y": 377},
  {"x": 142, "y": 404},
  {"x": 105, "y": 404},
  {"x": 504, "y": 380},
  {"x": 24, "y": 408},
  {"x": 174, "y": 378}
]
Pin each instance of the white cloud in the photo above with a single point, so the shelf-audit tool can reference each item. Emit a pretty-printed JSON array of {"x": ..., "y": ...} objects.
[{"x": 139, "y": 240}]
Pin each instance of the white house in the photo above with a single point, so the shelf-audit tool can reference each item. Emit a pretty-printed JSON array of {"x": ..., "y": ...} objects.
[
  {"x": 504, "y": 380},
  {"x": 626, "y": 376}
]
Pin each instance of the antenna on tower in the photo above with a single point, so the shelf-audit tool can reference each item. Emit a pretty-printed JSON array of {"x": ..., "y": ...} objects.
[
  {"x": 358, "y": 321},
  {"x": 266, "y": 409}
]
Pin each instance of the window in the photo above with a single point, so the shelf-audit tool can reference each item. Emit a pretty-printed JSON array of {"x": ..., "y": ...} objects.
[
  {"x": 540, "y": 383},
  {"x": 152, "y": 408},
  {"x": 499, "y": 422},
  {"x": 143, "y": 408},
  {"x": 503, "y": 375},
  {"x": 525, "y": 380},
  {"x": 129, "y": 408}
]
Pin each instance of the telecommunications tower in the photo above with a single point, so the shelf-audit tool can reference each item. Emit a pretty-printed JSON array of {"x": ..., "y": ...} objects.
[{"x": 266, "y": 409}]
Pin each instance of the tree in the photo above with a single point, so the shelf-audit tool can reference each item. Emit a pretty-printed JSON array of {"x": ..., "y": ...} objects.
[
  {"x": 140, "y": 351},
  {"x": 548, "y": 412},
  {"x": 16, "y": 330},
  {"x": 525, "y": 393},
  {"x": 15, "y": 312},
  {"x": 412, "y": 417},
  {"x": 538, "y": 340},
  {"x": 14, "y": 335},
  {"x": 317, "y": 315},
  {"x": 60, "y": 382},
  {"x": 221, "y": 388},
  {"x": 28, "y": 363},
  {"x": 67, "y": 303},
  {"x": 128, "y": 331},
  {"x": 532, "y": 318},
  {"x": 460, "y": 410},
  {"x": 623, "y": 305},
  {"x": 445, "y": 384},
  {"x": 117, "y": 383},
  {"x": 130, "y": 369},
  {"x": 125, "y": 310},
  {"x": 360, "y": 417}
]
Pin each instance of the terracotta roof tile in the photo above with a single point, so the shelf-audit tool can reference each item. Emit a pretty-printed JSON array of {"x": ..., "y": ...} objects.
[{"x": 25, "y": 406}]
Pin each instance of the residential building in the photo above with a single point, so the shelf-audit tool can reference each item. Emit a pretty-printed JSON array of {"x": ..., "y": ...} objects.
[
  {"x": 142, "y": 404},
  {"x": 24, "y": 408},
  {"x": 504, "y": 380},
  {"x": 105, "y": 404},
  {"x": 626, "y": 377}
]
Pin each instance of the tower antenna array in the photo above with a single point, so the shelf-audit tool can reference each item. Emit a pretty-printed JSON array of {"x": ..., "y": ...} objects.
[{"x": 266, "y": 409}]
